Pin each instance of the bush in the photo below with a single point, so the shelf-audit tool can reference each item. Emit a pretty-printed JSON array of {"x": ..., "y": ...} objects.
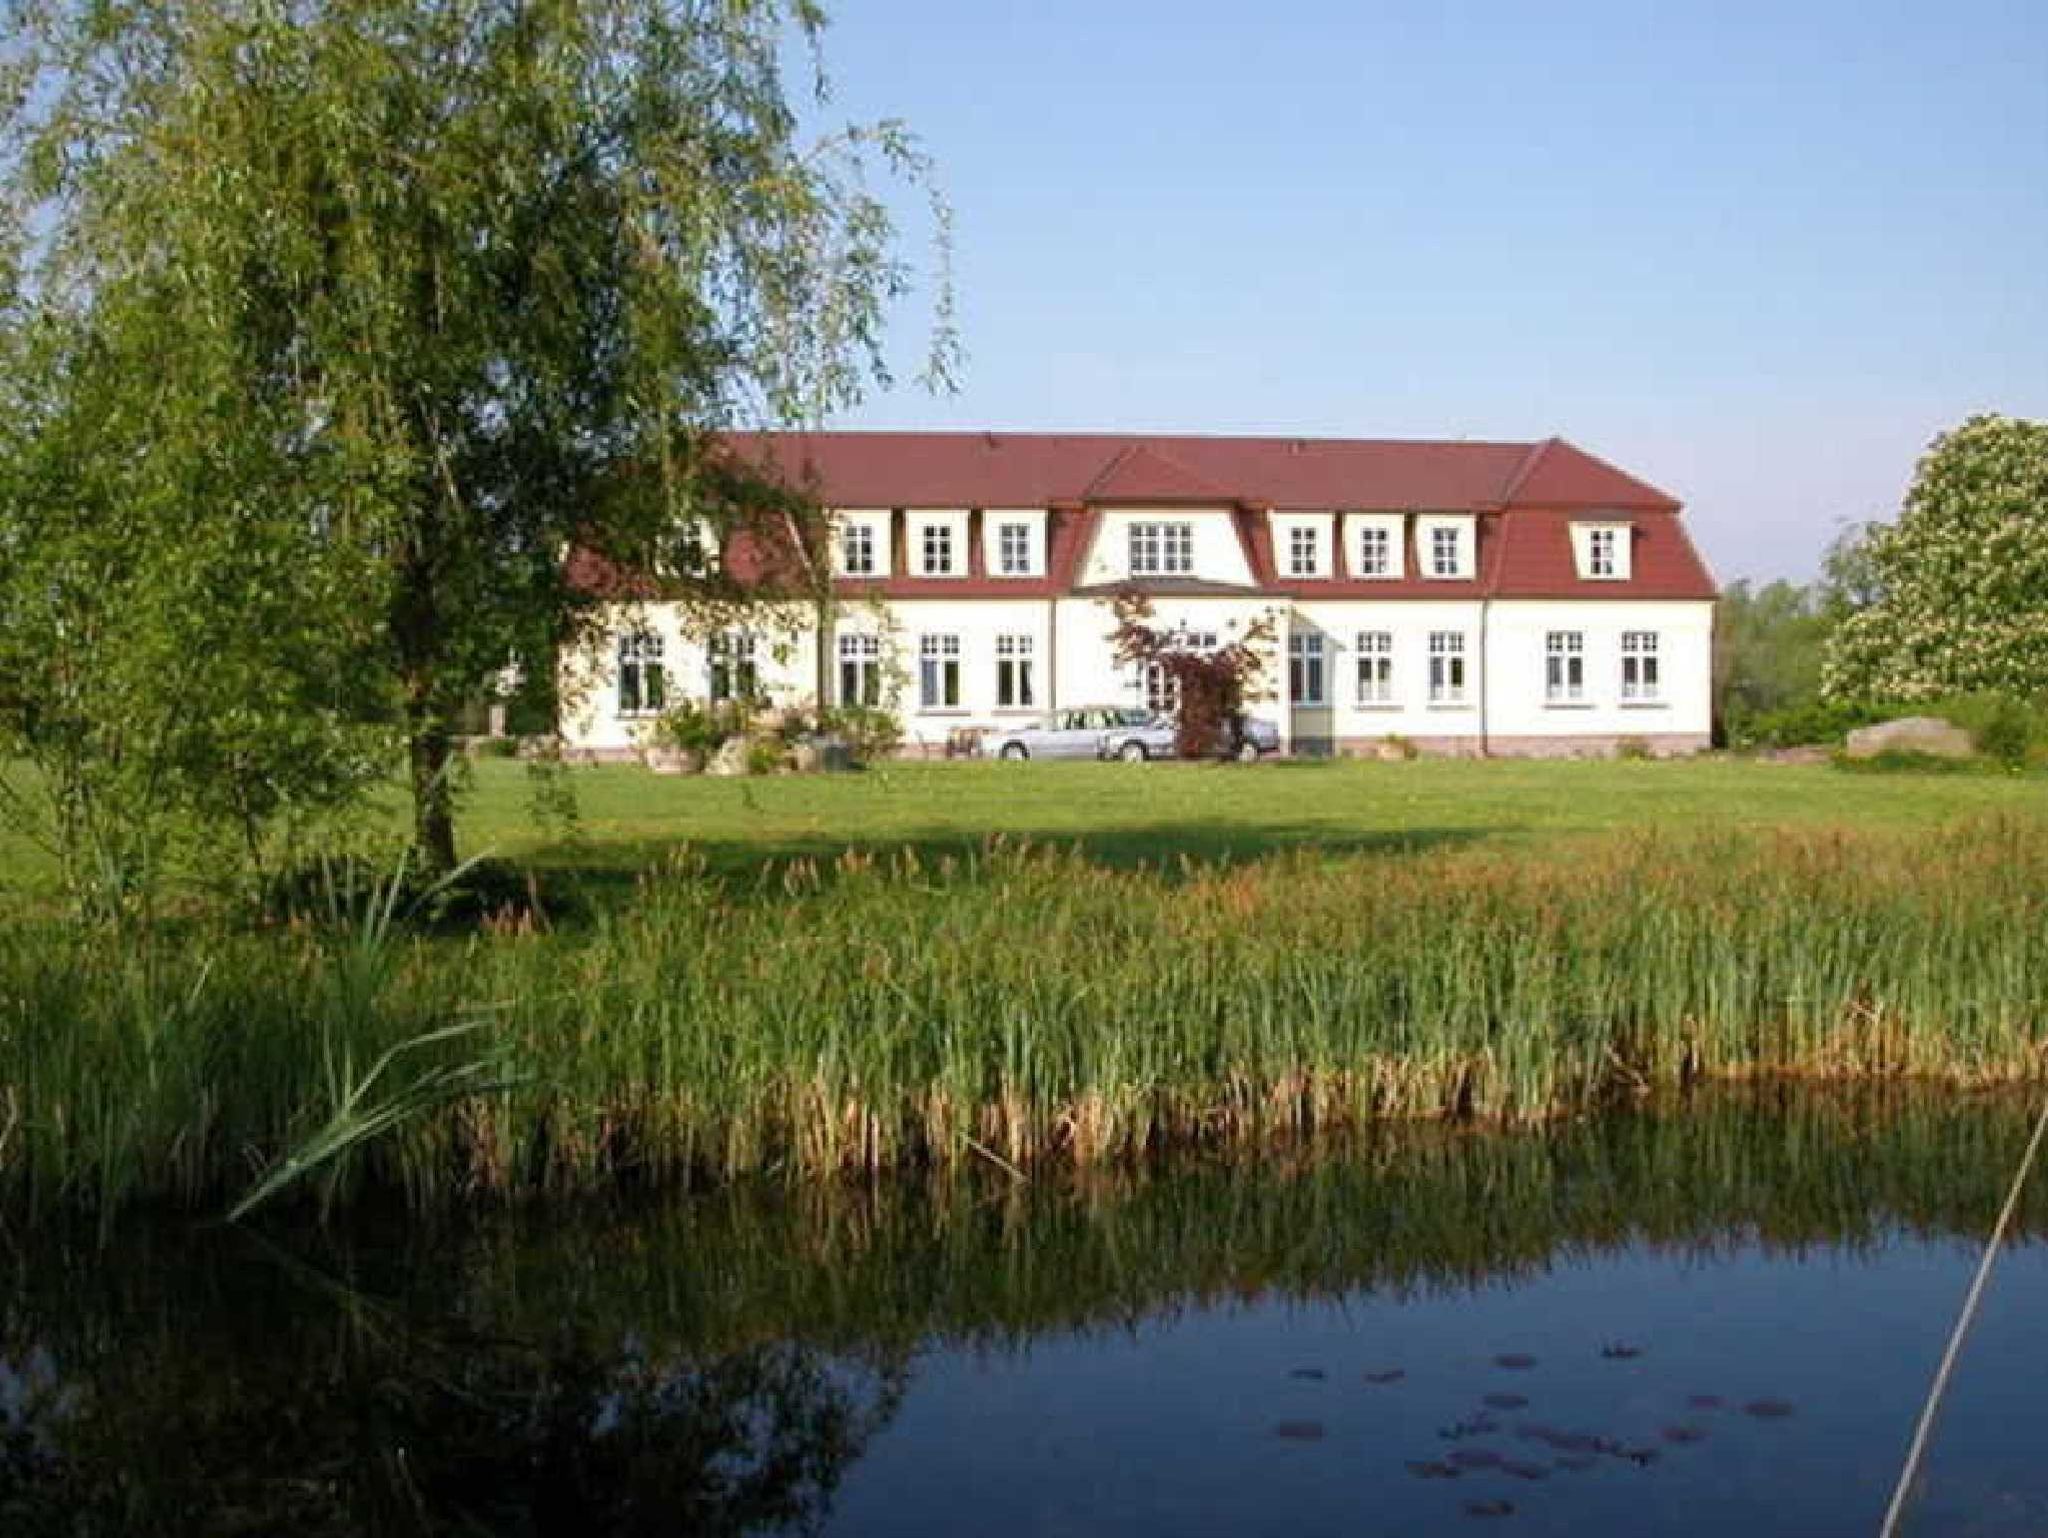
[
  {"x": 1813, "y": 724},
  {"x": 700, "y": 729},
  {"x": 868, "y": 731},
  {"x": 1634, "y": 750},
  {"x": 767, "y": 755}
]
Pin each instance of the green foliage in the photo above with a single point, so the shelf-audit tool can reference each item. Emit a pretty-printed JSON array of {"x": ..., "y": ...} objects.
[
  {"x": 1955, "y": 593},
  {"x": 450, "y": 289},
  {"x": 700, "y": 729},
  {"x": 1768, "y": 643},
  {"x": 868, "y": 1012},
  {"x": 870, "y": 732},
  {"x": 1810, "y": 723}
]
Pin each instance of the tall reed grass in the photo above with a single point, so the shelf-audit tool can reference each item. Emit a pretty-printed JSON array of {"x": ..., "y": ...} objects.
[{"x": 1019, "y": 1005}]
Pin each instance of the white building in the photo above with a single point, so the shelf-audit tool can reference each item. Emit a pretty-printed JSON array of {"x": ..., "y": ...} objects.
[{"x": 1468, "y": 598}]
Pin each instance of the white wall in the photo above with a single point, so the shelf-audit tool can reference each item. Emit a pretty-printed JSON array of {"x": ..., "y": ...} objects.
[
  {"x": 1219, "y": 554},
  {"x": 977, "y": 622},
  {"x": 1410, "y": 622},
  {"x": 1685, "y": 644},
  {"x": 1089, "y": 673}
]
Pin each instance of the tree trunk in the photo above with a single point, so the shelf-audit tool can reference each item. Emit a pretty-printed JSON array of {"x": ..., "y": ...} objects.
[{"x": 433, "y": 795}]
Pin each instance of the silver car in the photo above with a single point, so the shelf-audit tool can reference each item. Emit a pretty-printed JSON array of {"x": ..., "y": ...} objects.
[
  {"x": 1112, "y": 731},
  {"x": 1091, "y": 731}
]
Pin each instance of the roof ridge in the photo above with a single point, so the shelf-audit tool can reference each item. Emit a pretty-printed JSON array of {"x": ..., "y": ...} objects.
[{"x": 1536, "y": 455}]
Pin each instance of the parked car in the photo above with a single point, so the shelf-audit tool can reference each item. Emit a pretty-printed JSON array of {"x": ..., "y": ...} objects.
[{"x": 1112, "y": 731}]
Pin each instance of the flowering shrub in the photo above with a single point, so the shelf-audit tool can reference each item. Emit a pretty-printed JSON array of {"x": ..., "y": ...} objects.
[
  {"x": 1211, "y": 685},
  {"x": 1958, "y": 586}
]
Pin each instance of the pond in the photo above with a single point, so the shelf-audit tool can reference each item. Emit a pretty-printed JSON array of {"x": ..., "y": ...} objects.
[{"x": 1688, "y": 1320}]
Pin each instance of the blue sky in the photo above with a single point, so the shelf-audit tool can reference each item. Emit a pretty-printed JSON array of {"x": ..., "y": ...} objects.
[{"x": 1759, "y": 254}]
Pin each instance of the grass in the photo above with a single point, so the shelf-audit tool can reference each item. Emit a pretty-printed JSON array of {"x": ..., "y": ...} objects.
[{"x": 1321, "y": 948}]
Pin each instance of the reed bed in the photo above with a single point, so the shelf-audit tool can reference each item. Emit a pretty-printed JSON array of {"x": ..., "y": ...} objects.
[{"x": 1014, "y": 1006}]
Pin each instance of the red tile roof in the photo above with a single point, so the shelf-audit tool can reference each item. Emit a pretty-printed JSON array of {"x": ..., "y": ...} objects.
[
  {"x": 1525, "y": 496},
  {"x": 888, "y": 469}
]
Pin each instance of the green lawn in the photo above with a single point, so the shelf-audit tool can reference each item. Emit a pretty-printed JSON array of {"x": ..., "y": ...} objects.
[{"x": 1130, "y": 815}]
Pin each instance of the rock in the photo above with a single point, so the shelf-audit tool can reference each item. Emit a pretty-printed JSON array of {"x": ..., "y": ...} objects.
[
  {"x": 730, "y": 759},
  {"x": 1912, "y": 734},
  {"x": 672, "y": 761}
]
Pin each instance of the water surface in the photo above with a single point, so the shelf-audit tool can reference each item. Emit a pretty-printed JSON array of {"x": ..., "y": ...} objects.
[{"x": 1695, "y": 1321}]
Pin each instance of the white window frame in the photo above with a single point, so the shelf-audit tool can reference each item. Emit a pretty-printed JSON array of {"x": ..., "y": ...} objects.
[
  {"x": 1304, "y": 550},
  {"x": 641, "y": 660},
  {"x": 857, "y": 538},
  {"x": 1603, "y": 553},
  {"x": 937, "y": 551},
  {"x": 1448, "y": 680},
  {"x": 1376, "y": 550},
  {"x": 1308, "y": 664},
  {"x": 1016, "y": 672},
  {"x": 1642, "y": 671},
  {"x": 1162, "y": 548},
  {"x": 1564, "y": 667},
  {"x": 1016, "y": 548},
  {"x": 860, "y": 669},
  {"x": 1446, "y": 558},
  {"x": 1375, "y": 667},
  {"x": 938, "y": 672},
  {"x": 732, "y": 666}
]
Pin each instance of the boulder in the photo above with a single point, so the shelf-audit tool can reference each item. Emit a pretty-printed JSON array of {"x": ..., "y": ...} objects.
[
  {"x": 673, "y": 761},
  {"x": 731, "y": 758},
  {"x": 1912, "y": 734}
]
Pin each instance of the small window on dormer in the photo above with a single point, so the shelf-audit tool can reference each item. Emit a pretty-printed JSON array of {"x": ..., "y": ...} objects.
[
  {"x": 1444, "y": 560},
  {"x": 938, "y": 550},
  {"x": 1013, "y": 550},
  {"x": 1375, "y": 551},
  {"x": 1304, "y": 552},
  {"x": 857, "y": 549},
  {"x": 1600, "y": 553}
]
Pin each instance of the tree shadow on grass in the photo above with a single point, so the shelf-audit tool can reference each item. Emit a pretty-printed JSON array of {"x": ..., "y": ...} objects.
[{"x": 603, "y": 875}]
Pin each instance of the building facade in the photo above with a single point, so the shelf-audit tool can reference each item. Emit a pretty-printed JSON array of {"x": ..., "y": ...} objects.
[{"x": 1463, "y": 598}]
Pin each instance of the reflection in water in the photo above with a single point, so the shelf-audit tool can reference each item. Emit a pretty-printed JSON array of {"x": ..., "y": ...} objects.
[{"x": 1424, "y": 1308}]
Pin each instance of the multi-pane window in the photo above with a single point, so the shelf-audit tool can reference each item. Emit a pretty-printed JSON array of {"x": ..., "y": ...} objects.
[
  {"x": 860, "y": 669},
  {"x": 1304, "y": 552},
  {"x": 1564, "y": 666},
  {"x": 643, "y": 687},
  {"x": 1375, "y": 667},
  {"x": 857, "y": 549},
  {"x": 1375, "y": 552},
  {"x": 1306, "y": 681},
  {"x": 1162, "y": 549},
  {"x": 1639, "y": 680},
  {"x": 1159, "y": 686},
  {"x": 1446, "y": 667},
  {"x": 938, "y": 672},
  {"x": 937, "y": 547},
  {"x": 735, "y": 673},
  {"x": 1601, "y": 545},
  {"x": 1443, "y": 553},
  {"x": 1013, "y": 549},
  {"x": 1015, "y": 686}
]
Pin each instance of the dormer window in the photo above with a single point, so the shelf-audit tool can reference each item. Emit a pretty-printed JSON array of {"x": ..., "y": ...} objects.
[
  {"x": 857, "y": 550},
  {"x": 935, "y": 542},
  {"x": 1304, "y": 552},
  {"x": 1443, "y": 552},
  {"x": 1162, "y": 549},
  {"x": 937, "y": 548},
  {"x": 1375, "y": 551},
  {"x": 1601, "y": 551},
  {"x": 1013, "y": 549},
  {"x": 1444, "y": 546}
]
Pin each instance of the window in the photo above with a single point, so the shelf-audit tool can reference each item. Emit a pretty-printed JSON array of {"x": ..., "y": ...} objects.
[
  {"x": 734, "y": 673},
  {"x": 1375, "y": 667},
  {"x": 938, "y": 672},
  {"x": 1376, "y": 552},
  {"x": 1639, "y": 679},
  {"x": 1305, "y": 668},
  {"x": 1601, "y": 545},
  {"x": 1304, "y": 552},
  {"x": 643, "y": 688},
  {"x": 860, "y": 670},
  {"x": 1446, "y": 667},
  {"x": 1015, "y": 686},
  {"x": 857, "y": 549},
  {"x": 1162, "y": 549},
  {"x": 1564, "y": 666},
  {"x": 1160, "y": 688},
  {"x": 1013, "y": 549},
  {"x": 937, "y": 547},
  {"x": 1443, "y": 553}
]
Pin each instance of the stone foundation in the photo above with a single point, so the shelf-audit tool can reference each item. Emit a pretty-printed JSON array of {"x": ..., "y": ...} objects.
[{"x": 1590, "y": 745}]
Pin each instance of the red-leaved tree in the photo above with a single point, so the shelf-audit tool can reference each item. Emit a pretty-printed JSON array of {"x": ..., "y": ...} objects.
[{"x": 1210, "y": 685}]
